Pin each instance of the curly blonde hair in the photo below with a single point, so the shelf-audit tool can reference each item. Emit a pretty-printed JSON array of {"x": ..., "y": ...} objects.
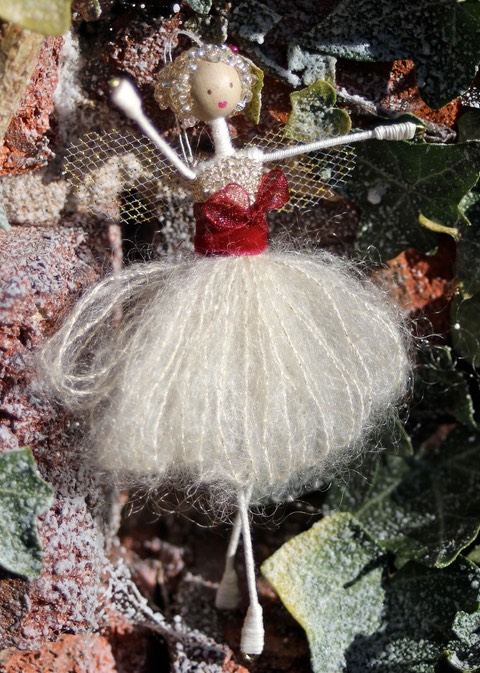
[{"x": 173, "y": 87}]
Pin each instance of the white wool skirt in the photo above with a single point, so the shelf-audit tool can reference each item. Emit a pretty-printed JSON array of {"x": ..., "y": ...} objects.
[{"x": 257, "y": 372}]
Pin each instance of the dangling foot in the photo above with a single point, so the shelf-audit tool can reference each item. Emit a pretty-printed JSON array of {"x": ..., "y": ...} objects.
[
  {"x": 253, "y": 634},
  {"x": 228, "y": 593}
]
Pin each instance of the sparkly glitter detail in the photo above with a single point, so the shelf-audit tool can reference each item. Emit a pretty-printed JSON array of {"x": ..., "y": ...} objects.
[
  {"x": 212, "y": 176},
  {"x": 230, "y": 224},
  {"x": 173, "y": 87}
]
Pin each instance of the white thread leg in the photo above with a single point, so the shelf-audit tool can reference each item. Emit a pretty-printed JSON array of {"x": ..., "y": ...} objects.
[
  {"x": 228, "y": 593},
  {"x": 253, "y": 634}
]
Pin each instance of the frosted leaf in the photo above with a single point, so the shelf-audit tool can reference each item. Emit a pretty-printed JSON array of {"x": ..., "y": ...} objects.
[
  {"x": 412, "y": 179},
  {"x": 200, "y": 6},
  {"x": 426, "y": 508},
  {"x": 329, "y": 578},
  {"x": 463, "y": 654},
  {"x": 441, "y": 37},
  {"x": 357, "y": 616},
  {"x": 314, "y": 115},
  {"x": 23, "y": 496},
  {"x": 51, "y": 17},
  {"x": 252, "y": 20}
]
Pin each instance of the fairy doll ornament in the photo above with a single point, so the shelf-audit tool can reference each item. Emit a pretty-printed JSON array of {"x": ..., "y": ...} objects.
[{"x": 251, "y": 371}]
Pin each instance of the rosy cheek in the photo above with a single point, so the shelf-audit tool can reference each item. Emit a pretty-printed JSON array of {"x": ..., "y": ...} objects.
[{"x": 222, "y": 104}]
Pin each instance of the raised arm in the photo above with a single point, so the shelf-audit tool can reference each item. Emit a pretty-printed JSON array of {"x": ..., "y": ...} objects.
[
  {"x": 402, "y": 131},
  {"x": 126, "y": 97}
]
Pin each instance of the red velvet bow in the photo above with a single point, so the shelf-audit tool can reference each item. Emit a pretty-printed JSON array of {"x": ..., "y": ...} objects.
[{"x": 228, "y": 224}]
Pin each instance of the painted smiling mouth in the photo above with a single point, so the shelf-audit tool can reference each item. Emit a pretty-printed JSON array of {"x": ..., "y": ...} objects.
[{"x": 222, "y": 104}]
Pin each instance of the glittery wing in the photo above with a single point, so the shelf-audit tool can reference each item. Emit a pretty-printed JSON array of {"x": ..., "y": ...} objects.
[
  {"x": 311, "y": 177},
  {"x": 117, "y": 169}
]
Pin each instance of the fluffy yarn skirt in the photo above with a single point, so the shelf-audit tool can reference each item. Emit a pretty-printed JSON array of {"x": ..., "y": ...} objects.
[{"x": 233, "y": 372}]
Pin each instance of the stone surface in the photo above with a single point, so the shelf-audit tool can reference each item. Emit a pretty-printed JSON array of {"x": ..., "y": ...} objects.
[
  {"x": 25, "y": 145},
  {"x": 69, "y": 654},
  {"x": 424, "y": 285}
]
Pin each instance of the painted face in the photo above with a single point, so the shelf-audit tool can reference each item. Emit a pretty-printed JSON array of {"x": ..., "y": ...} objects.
[{"x": 216, "y": 90}]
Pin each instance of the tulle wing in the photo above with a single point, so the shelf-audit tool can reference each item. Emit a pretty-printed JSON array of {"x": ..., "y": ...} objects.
[
  {"x": 311, "y": 177},
  {"x": 117, "y": 169}
]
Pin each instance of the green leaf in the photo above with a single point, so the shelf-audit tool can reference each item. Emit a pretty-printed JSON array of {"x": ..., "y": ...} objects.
[
  {"x": 474, "y": 555},
  {"x": 441, "y": 37},
  {"x": 358, "y": 619},
  {"x": 469, "y": 126},
  {"x": 313, "y": 114},
  {"x": 50, "y": 17},
  {"x": 463, "y": 653},
  {"x": 466, "y": 327},
  {"x": 329, "y": 578},
  {"x": 23, "y": 496},
  {"x": 252, "y": 20},
  {"x": 427, "y": 508},
  {"x": 200, "y": 6},
  {"x": 395, "y": 182},
  {"x": 468, "y": 248},
  {"x": 394, "y": 439},
  {"x": 442, "y": 388}
]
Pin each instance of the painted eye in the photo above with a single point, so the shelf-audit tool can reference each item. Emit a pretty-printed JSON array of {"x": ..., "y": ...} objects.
[
  {"x": 231, "y": 85},
  {"x": 209, "y": 92}
]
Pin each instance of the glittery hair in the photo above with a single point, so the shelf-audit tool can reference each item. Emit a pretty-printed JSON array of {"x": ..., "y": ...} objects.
[{"x": 173, "y": 87}]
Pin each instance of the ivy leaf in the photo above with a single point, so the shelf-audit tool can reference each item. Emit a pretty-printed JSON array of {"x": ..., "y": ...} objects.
[
  {"x": 441, "y": 37},
  {"x": 468, "y": 247},
  {"x": 4, "y": 223},
  {"x": 394, "y": 439},
  {"x": 50, "y": 17},
  {"x": 312, "y": 66},
  {"x": 200, "y": 6},
  {"x": 474, "y": 555},
  {"x": 426, "y": 508},
  {"x": 466, "y": 327},
  {"x": 254, "y": 107},
  {"x": 334, "y": 581},
  {"x": 314, "y": 115},
  {"x": 23, "y": 496},
  {"x": 463, "y": 654},
  {"x": 329, "y": 578},
  {"x": 442, "y": 388},
  {"x": 252, "y": 20},
  {"x": 469, "y": 126},
  {"x": 421, "y": 604},
  {"x": 395, "y": 182}
]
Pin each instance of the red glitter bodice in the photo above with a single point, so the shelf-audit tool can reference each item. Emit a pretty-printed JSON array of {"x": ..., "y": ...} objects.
[{"x": 228, "y": 223}]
